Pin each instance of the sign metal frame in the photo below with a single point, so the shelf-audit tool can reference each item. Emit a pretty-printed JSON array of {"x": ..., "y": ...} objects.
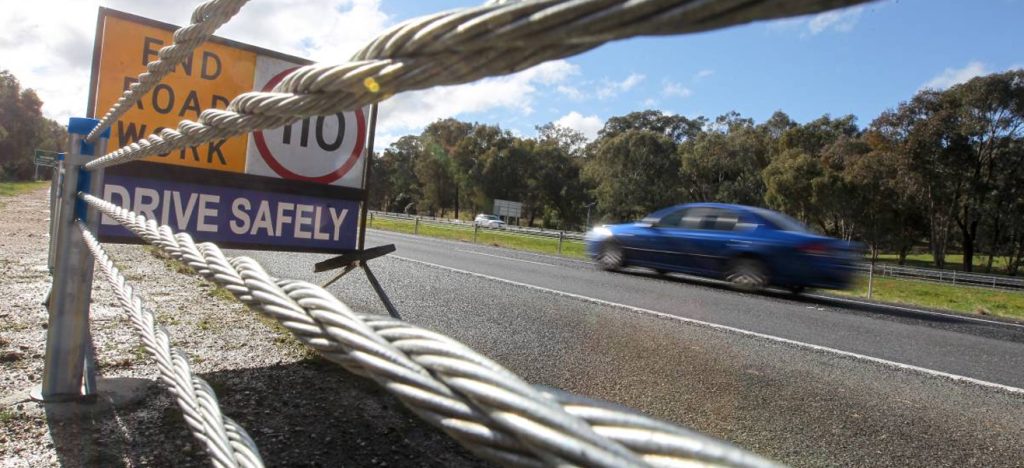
[{"x": 215, "y": 178}]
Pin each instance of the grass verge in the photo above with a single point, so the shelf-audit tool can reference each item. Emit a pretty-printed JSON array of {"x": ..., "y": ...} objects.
[
  {"x": 953, "y": 262},
  {"x": 494, "y": 237},
  {"x": 963, "y": 299},
  {"x": 8, "y": 189}
]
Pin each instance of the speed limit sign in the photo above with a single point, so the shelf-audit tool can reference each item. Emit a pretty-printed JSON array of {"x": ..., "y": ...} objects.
[{"x": 326, "y": 149}]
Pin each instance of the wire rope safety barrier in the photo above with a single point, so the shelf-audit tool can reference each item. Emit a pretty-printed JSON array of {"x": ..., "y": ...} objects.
[{"x": 283, "y": 166}]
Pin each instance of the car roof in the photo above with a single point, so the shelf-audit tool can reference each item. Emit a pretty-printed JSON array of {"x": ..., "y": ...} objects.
[{"x": 731, "y": 206}]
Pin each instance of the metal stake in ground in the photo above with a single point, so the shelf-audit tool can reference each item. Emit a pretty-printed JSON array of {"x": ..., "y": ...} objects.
[{"x": 67, "y": 336}]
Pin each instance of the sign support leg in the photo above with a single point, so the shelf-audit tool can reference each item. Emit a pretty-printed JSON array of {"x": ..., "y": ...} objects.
[
  {"x": 380, "y": 292},
  {"x": 350, "y": 261}
]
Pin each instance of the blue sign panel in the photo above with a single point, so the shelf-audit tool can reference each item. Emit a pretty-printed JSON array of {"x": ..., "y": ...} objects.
[{"x": 251, "y": 212}]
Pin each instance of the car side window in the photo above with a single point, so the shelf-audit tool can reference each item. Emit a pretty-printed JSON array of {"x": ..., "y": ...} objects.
[
  {"x": 672, "y": 219},
  {"x": 694, "y": 217},
  {"x": 723, "y": 220}
]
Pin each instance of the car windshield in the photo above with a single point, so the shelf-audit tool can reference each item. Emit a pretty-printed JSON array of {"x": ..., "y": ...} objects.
[{"x": 781, "y": 221}]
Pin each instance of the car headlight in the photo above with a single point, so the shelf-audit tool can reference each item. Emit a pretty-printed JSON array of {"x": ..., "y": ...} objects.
[{"x": 599, "y": 232}]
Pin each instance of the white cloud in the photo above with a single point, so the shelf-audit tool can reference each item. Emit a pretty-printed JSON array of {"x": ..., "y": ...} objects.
[
  {"x": 609, "y": 89},
  {"x": 953, "y": 76},
  {"x": 836, "y": 20},
  {"x": 48, "y": 45},
  {"x": 408, "y": 113},
  {"x": 701, "y": 74},
  {"x": 571, "y": 92},
  {"x": 842, "y": 21},
  {"x": 52, "y": 53},
  {"x": 673, "y": 89},
  {"x": 588, "y": 125}
]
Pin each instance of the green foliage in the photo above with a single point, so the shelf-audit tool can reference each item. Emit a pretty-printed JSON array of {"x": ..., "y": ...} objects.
[
  {"x": 634, "y": 173},
  {"x": 945, "y": 169},
  {"x": 23, "y": 129},
  {"x": 725, "y": 164}
]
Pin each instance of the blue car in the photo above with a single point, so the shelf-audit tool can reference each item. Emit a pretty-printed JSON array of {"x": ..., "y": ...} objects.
[{"x": 750, "y": 247}]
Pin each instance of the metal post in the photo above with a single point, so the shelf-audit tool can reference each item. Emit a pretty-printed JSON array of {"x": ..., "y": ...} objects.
[
  {"x": 371, "y": 220},
  {"x": 55, "y": 181},
  {"x": 476, "y": 232},
  {"x": 954, "y": 277},
  {"x": 416, "y": 228},
  {"x": 364, "y": 206},
  {"x": 561, "y": 236},
  {"x": 35, "y": 176},
  {"x": 871, "y": 277},
  {"x": 67, "y": 335},
  {"x": 392, "y": 311},
  {"x": 589, "y": 206}
]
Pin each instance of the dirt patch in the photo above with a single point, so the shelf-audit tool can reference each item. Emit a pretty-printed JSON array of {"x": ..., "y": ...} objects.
[{"x": 300, "y": 410}]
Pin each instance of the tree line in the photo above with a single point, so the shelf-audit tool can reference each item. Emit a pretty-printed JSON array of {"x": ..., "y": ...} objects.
[
  {"x": 23, "y": 129},
  {"x": 942, "y": 170}
]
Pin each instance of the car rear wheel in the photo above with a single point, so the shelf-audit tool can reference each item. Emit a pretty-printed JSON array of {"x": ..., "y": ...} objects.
[
  {"x": 748, "y": 274},
  {"x": 611, "y": 256}
]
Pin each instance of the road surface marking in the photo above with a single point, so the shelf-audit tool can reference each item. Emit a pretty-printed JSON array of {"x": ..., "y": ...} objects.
[
  {"x": 801, "y": 344},
  {"x": 506, "y": 258}
]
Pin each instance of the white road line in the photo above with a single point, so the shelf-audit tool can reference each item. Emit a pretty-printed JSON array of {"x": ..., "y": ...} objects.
[
  {"x": 884, "y": 362},
  {"x": 506, "y": 258}
]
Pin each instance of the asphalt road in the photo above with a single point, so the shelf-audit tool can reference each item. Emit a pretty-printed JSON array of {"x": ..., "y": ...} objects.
[{"x": 805, "y": 381}]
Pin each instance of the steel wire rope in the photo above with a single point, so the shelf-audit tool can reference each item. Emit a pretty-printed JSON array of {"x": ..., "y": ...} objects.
[
  {"x": 457, "y": 47},
  {"x": 483, "y": 406},
  {"x": 226, "y": 441},
  {"x": 206, "y": 18}
]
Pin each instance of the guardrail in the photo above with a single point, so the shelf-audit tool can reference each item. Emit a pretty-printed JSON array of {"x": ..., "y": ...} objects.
[{"x": 954, "y": 277}]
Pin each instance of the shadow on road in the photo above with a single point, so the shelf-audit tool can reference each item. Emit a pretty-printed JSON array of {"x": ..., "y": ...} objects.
[{"x": 305, "y": 413}]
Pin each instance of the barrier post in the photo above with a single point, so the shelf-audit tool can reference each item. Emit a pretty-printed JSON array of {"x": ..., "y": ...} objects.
[
  {"x": 561, "y": 236},
  {"x": 416, "y": 227},
  {"x": 65, "y": 371},
  {"x": 55, "y": 181},
  {"x": 476, "y": 232},
  {"x": 871, "y": 277}
]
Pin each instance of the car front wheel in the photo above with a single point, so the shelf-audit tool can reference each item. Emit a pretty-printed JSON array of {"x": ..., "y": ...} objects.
[
  {"x": 748, "y": 274},
  {"x": 611, "y": 256}
]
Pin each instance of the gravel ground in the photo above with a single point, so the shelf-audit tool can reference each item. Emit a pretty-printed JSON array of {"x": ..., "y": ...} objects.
[{"x": 300, "y": 410}]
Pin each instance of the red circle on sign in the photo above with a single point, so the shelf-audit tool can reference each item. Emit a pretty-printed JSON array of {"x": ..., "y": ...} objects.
[{"x": 276, "y": 166}]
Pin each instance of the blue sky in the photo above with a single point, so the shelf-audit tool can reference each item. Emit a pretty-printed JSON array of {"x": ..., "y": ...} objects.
[
  {"x": 868, "y": 59},
  {"x": 860, "y": 60}
]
